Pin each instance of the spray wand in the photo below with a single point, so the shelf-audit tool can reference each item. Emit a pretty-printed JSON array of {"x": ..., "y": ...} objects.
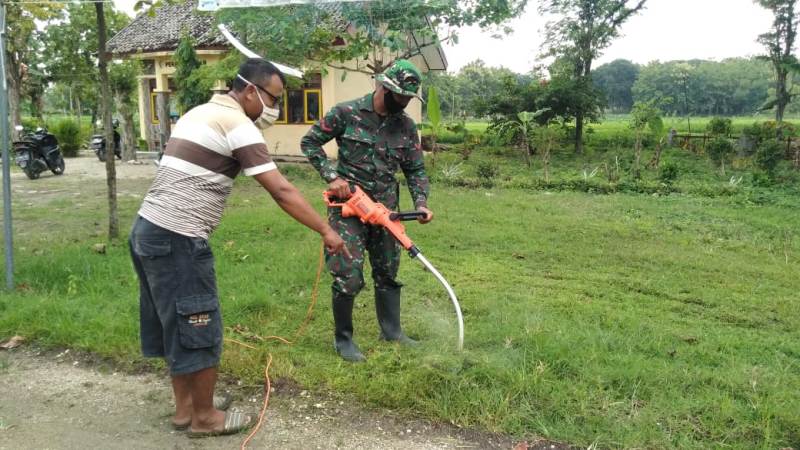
[{"x": 375, "y": 213}]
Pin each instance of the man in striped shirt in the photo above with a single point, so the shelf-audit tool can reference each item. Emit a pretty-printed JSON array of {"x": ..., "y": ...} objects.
[{"x": 179, "y": 308}]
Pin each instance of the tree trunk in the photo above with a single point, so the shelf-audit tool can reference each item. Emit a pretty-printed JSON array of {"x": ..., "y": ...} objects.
[
  {"x": 79, "y": 109},
  {"x": 433, "y": 151},
  {"x": 579, "y": 133},
  {"x": 162, "y": 111},
  {"x": 105, "y": 93},
  {"x": 128, "y": 138},
  {"x": 584, "y": 71},
  {"x": 14, "y": 84},
  {"x": 527, "y": 150},
  {"x": 782, "y": 100},
  {"x": 38, "y": 106},
  {"x": 638, "y": 154},
  {"x": 657, "y": 155},
  {"x": 546, "y": 161}
]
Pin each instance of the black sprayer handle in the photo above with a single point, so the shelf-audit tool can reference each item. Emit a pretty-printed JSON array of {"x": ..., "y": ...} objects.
[{"x": 411, "y": 215}]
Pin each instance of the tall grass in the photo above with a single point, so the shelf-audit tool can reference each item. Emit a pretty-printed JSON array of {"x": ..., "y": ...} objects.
[{"x": 620, "y": 320}]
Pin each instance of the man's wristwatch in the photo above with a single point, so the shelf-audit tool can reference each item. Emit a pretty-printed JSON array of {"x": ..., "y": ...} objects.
[{"x": 331, "y": 176}]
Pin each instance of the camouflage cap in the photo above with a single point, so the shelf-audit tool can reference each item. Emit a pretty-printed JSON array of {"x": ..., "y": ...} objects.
[{"x": 402, "y": 77}]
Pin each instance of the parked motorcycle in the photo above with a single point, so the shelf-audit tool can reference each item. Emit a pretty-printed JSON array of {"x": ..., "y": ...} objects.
[
  {"x": 98, "y": 143},
  {"x": 37, "y": 152}
]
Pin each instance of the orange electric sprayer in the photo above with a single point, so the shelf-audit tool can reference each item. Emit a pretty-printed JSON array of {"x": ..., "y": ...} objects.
[{"x": 375, "y": 213}]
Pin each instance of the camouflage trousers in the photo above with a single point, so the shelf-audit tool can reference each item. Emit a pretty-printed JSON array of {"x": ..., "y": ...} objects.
[{"x": 383, "y": 249}]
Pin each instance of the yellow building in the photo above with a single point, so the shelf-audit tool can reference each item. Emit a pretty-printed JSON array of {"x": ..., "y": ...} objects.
[{"x": 153, "y": 40}]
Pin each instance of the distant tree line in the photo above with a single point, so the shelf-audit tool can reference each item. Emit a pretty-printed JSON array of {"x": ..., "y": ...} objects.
[
  {"x": 735, "y": 86},
  {"x": 731, "y": 87},
  {"x": 469, "y": 92},
  {"x": 576, "y": 92}
]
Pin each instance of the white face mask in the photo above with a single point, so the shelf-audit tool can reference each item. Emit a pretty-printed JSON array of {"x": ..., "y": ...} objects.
[{"x": 268, "y": 115}]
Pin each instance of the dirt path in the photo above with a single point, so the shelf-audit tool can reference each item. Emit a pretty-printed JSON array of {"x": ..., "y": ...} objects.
[
  {"x": 67, "y": 401},
  {"x": 84, "y": 178},
  {"x": 88, "y": 167}
]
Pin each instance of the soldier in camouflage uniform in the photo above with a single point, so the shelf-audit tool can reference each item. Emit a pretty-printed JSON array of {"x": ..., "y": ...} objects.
[{"x": 375, "y": 138}]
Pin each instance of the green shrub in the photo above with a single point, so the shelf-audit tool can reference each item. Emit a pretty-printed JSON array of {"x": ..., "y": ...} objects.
[
  {"x": 466, "y": 182},
  {"x": 720, "y": 150},
  {"x": 719, "y": 126},
  {"x": 86, "y": 132},
  {"x": 753, "y": 132},
  {"x": 644, "y": 187},
  {"x": 445, "y": 136},
  {"x": 761, "y": 179},
  {"x": 68, "y": 133},
  {"x": 494, "y": 138},
  {"x": 668, "y": 173},
  {"x": 769, "y": 155},
  {"x": 759, "y": 133},
  {"x": 623, "y": 138},
  {"x": 31, "y": 123},
  {"x": 770, "y": 129},
  {"x": 487, "y": 171}
]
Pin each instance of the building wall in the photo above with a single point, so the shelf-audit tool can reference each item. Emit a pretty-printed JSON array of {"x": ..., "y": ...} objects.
[
  {"x": 357, "y": 84},
  {"x": 164, "y": 69},
  {"x": 285, "y": 139},
  {"x": 282, "y": 139}
]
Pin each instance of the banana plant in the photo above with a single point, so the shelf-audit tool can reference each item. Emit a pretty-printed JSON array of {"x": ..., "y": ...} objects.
[{"x": 524, "y": 128}]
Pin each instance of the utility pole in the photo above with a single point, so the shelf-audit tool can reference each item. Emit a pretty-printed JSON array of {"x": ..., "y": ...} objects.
[{"x": 6, "y": 138}]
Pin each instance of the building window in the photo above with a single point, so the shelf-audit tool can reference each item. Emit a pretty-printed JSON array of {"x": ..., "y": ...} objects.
[
  {"x": 303, "y": 105},
  {"x": 313, "y": 104}
]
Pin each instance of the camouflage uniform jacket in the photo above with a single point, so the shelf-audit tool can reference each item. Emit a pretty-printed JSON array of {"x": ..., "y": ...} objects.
[{"x": 371, "y": 149}]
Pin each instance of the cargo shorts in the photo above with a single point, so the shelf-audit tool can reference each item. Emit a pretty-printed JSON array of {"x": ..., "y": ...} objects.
[{"x": 179, "y": 314}]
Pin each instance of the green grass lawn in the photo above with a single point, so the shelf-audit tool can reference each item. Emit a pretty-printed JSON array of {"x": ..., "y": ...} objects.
[{"x": 616, "y": 320}]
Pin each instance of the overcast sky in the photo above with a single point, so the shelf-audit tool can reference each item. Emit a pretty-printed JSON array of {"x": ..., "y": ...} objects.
[{"x": 665, "y": 30}]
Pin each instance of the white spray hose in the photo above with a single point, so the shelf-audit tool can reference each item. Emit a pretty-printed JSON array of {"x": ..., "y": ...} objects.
[{"x": 452, "y": 295}]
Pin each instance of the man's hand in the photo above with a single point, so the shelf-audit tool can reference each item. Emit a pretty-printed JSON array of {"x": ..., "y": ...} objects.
[
  {"x": 340, "y": 189},
  {"x": 334, "y": 243},
  {"x": 428, "y": 215}
]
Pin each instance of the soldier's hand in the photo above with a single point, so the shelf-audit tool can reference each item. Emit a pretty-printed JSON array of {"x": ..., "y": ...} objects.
[
  {"x": 339, "y": 188},
  {"x": 334, "y": 243},
  {"x": 428, "y": 215}
]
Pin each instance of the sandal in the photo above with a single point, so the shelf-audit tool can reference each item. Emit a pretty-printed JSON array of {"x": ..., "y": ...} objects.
[
  {"x": 235, "y": 422},
  {"x": 221, "y": 402}
]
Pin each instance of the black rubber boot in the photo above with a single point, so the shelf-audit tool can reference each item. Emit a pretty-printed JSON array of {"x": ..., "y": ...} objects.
[
  {"x": 343, "y": 329},
  {"x": 387, "y": 307}
]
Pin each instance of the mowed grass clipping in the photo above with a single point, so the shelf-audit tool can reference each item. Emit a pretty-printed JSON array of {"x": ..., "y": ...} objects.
[{"x": 615, "y": 320}]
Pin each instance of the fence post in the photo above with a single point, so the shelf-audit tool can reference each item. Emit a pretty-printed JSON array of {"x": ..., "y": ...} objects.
[{"x": 788, "y": 146}]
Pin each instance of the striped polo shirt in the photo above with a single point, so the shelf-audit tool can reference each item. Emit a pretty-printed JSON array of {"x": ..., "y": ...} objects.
[{"x": 208, "y": 148}]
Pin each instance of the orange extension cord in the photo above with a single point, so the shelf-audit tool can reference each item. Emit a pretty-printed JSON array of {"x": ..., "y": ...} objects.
[{"x": 297, "y": 334}]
